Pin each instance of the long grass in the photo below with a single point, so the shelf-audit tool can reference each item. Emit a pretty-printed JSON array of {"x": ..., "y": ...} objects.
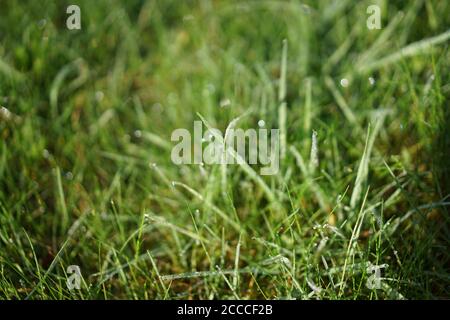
[{"x": 86, "y": 176}]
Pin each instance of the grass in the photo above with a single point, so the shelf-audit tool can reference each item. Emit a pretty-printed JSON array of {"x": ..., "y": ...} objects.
[{"x": 86, "y": 177}]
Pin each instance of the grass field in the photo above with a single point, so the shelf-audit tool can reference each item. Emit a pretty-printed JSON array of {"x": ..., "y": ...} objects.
[{"x": 86, "y": 176}]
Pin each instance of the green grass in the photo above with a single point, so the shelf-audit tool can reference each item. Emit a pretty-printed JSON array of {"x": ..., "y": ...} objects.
[{"x": 86, "y": 176}]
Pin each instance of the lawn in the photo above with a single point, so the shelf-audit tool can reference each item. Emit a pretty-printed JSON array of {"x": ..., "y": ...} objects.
[{"x": 357, "y": 210}]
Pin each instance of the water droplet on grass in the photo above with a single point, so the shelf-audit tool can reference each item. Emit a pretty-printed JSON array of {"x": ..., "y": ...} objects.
[
  {"x": 306, "y": 9},
  {"x": 137, "y": 133},
  {"x": 46, "y": 154},
  {"x": 5, "y": 113},
  {"x": 188, "y": 18},
  {"x": 225, "y": 103},
  {"x": 210, "y": 87},
  {"x": 42, "y": 23},
  {"x": 344, "y": 82},
  {"x": 99, "y": 95}
]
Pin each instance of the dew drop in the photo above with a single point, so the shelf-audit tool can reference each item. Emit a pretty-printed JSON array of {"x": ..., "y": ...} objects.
[
  {"x": 46, "y": 154},
  {"x": 306, "y": 9},
  {"x": 188, "y": 18},
  {"x": 344, "y": 82},
  {"x": 137, "y": 133},
  {"x": 68, "y": 175},
  {"x": 99, "y": 95},
  {"x": 225, "y": 103},
  {"x": 210, "y": 87},
  {"x": 42, "y": 23},
  {"x": 5, "y": 113}
]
